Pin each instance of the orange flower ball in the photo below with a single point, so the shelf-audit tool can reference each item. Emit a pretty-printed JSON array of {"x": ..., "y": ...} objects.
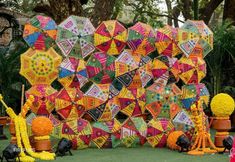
[
  {"x": 172, "y": 138},
  {"x": 41, "y": 126}
]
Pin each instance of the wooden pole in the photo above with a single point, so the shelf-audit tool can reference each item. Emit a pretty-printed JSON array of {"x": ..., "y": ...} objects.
[{"x": 22, "y": 95}]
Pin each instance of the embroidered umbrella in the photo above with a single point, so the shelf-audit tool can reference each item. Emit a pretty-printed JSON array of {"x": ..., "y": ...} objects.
[
  {"x": 141, "y": 39},
  {"x": 195, "y": 36},
  {"x": 75, "y": 37},
  {"x": 101, "y": 68},
  {"x": 44, "y": 99},
  {"x": 40, "y": 32},
  {"x": 73, "y": 73},
  {"x": 194, "y": 92},
  {"x": 69, "y": 103},
  {"x": 110, "y": 37},
  {"x": 183, "y": 122},
  {"x": 132, "y": 101},
  {"x": 40, "y": 67},
  {"x": 166, "y": 41},
  {"x": 193, "y": 69},
  {"x": 106, "y": 134},
  {"x": 163, "y": 101},
  {"x": 158, "y": 131},
  {"x": 165, "y": 70},
  {"x": 133, "y": 131}
]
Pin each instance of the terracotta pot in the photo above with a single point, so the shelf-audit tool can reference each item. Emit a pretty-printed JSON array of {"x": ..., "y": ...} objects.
[
  {"x": 221, "y": 125},
  {"x": 3, "y": 120},
  {"x": 219, "y": 140},
  {"x": 12, "y": 128},
  {"x": 42, "y": 145}
]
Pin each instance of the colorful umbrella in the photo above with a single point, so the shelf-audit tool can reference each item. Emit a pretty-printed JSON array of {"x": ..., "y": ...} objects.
[
  {"x": 158, "y": 131},
  {"x": 134, "y": 131},
  {"x": 163, "y": 101},
  {"x": 73, "y": 73},
  {"x": 40, "y": 32},
  {"x": 44, "y": 99},
  {"x": 129, "y": 68},
  {"x": 101, "y": 68},
  {"x": 69, "y": 103},
  {"x": 194, "y": 92},
  {"x": 195, "y": 36},
  {"x": 40, "y": 67},
  {"x": 193, "y": 69},
  {"x": 165, "y": 70},
  {"x": 110, "y": 37},
  {"x": 141, "y": 39},
  {"x": 106, "y": 134},
  {"x": 75, "y": 37},
  {"x": 183, "y": 122},
  {"x": 166, "y": 41},
  {"x": 132, "y": 101}
]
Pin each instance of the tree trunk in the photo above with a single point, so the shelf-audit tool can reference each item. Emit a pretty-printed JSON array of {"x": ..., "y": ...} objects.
[
  {"x": 229, "y": 8},
  {"x": 186, "y": 10},
  {"x": 169, "y": 11}
]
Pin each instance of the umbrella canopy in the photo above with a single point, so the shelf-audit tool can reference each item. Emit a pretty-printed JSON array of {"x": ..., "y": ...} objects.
[
  {"x": 183, "y": 122},
  {"x": 166, "y": 41},
  {"x": 141, "y": 39},
  {"x": 75, "y": 37},
  {"x": 101, "y": 68},
  {"x": 40, "y": 32},
  {"x": 195, "y": 37},
  {"x": 163, "y": 101},
  {"x": 132, "y": 101},
  {"x": 134, "y": 131},
  {"x": 165, "y": 70},
  {"x": 133, "y": 69},
  {"x": 158, "y": 131},
  {"x": 194, "y": 92},
  {"x": 106, "y": 134},
  {"x": 69, "y": 103},
  {"x": 193, "y": 69},
  {"x": 40, "y": 67},
  {"x": 110, "y": 37},
  {"x": 44, "y": 99}
]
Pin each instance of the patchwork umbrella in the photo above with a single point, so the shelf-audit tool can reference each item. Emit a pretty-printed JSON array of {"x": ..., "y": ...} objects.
[
  {"x": 40, "y": 67},
  {"x": 40, "y": 32},
  {"x": 75, "y": 37},
  {"x": 158, "y": 131},
  {"x": 183, "y": 122},
  {"x": 133, "y": 131},
  {"x": 110, "y": 37},
  {"x": 193, "y": 69},
  {"x": 166, "y": 41},
  {"x": 194, "y": 92},
  {"x": 69, "y": 103},
  {"x": 163, "y": 101},
  {"x": 44, "y": 99},
  {"x": 195, "y": 37},
  {"x": 101, "y": 68},
  {"x": 72, "y": 72},
  {"x": 132, "y": 101},
  {"x": 106, "y": 134},
  {"x": 165, "y": 70},
  {"x": 141, "y": 39}
]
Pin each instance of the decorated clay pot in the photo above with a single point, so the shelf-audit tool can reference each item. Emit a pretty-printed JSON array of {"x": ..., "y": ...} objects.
[
  {"x": 42, "y": 145},
  {"x": 12, "y": 128},
  {"x": 221, "y": 125}
]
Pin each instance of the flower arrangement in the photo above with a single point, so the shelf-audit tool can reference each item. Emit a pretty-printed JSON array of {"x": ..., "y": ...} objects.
[
  {"x": 41, "y": 126},
  {"x": 172, "y": 138}
]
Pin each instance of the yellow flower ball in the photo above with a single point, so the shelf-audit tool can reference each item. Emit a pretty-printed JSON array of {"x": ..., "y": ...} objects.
[
  {"x": 222, "y": 105},
  {"x": 42, "y": 126},
  {"x": 172, "y": 138}
]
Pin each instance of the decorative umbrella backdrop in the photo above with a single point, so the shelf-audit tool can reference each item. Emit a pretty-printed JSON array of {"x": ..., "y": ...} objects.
[
  {"x": 40, "y": 67},
  {"x": 158, "y": 131},
  {"x": 73, "y": 72},
  {"x": 106, "y": 134},
  {"x": 193, "y": 69},
  {"x": 141, "y": 39},
  {"x": 75, "y": 37},
  {"x": 195, "y": 36},
  {"x": 110, "y": 37},
  {"x": 101, "y": 68},
  {"x": 40, "y": 32},
  {"x": 44, "y": 99}
]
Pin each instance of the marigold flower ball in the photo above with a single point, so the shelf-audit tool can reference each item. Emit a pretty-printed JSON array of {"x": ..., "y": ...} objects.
[
  {"x": 222, "y": 105},
  {"x": 172, "y": 138},
  {"x": 41, "y": 126}
]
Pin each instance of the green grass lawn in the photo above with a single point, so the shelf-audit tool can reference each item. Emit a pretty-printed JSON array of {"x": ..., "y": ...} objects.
[{"x": 138, "y": 154}]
